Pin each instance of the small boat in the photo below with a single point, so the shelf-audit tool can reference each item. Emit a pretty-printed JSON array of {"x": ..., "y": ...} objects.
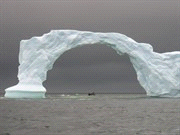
[{"x": 91, "y": 94}]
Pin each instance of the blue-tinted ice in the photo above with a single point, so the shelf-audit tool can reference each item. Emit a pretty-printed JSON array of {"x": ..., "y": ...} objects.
[{"x": 157, "y": 73}]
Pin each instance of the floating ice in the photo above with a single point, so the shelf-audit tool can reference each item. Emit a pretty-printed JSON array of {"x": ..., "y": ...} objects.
[{"x": 158, "y": 74}]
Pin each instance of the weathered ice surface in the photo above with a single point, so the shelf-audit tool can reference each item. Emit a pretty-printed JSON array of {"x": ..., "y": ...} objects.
[{"x": 158, "y": 74}]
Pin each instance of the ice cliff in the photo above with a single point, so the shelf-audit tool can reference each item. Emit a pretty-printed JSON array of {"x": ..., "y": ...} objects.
[{"x": 157, "y": 73}]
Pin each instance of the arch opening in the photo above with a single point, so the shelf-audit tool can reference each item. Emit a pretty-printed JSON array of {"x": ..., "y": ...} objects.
[{"x": 95, "y": 68}]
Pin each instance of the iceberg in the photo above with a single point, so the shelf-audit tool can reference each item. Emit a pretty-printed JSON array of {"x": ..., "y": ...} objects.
[{"x": 157, "y": 73}]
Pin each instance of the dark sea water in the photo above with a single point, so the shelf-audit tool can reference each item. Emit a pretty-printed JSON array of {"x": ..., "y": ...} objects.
[{"x": 80, "y": 114}]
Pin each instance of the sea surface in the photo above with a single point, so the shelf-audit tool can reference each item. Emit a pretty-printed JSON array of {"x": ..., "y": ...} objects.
[
  {"x": 80, "y": 114},
  {"x": 96, "y": 97}
]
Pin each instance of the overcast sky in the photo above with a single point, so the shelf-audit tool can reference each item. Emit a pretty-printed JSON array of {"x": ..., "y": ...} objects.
[{"x": 94, "y": 67}]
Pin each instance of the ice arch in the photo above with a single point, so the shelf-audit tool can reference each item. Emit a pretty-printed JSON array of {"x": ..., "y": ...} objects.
[{"x": 157, "y": 73}]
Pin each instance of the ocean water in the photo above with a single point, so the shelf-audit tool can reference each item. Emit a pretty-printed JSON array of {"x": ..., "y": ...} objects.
[
  {"x": 57, "y": 96},
  {"x": 96, "y": 97},
  {"x": 117, "y": 114}
]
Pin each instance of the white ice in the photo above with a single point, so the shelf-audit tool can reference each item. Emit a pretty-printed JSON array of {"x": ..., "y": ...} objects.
[{"x": 157, "y": 73}]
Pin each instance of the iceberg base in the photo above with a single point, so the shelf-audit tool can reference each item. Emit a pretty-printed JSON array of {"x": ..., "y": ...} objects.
[
  {"x": 24, "y": 94},
  {"x": 25, "y": 91}
]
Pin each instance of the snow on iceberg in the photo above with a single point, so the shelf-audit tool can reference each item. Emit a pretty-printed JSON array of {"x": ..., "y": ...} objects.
[{"x": 157, "y": 73}]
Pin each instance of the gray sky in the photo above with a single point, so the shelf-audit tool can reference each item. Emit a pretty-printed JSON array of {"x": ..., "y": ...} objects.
[{"x": 95, "y": 67}]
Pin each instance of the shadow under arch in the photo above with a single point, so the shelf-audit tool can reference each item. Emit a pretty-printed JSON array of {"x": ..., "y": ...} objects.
[
  {"x": 157, "y": 73},
  {"x": 95, "y": 68}
]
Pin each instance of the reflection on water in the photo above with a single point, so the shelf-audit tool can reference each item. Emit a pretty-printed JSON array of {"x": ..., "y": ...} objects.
[
  {"x": 69, "y": 96},
  {"x": 96, "y": 97},
  {"x": 55, "y": 97}
]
